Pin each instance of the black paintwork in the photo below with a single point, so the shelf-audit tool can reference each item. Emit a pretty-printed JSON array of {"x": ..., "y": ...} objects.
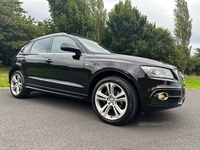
[{"x": 75, "y": 75}]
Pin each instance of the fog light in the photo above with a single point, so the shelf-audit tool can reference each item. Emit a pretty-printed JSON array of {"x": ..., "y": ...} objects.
[{"x": 162, "y": 96}]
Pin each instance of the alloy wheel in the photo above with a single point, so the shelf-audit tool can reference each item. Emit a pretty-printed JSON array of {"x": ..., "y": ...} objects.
[
  {"x": 16, "y": 84},
  {"x": 111, "y": 101}
]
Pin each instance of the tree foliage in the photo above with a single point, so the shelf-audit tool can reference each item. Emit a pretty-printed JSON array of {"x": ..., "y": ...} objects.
[
  {"x": 16, "y": 28},
  {"x": 158, "y": 44},
  {"x": 182, "y": 31},
  {"x": 193, "y": 66},
  {"x": 129, "y": 32},
  {"x": 197, "y": 53},
  {"x": 125, "y": 25},
  {"x": 98, "y": 14},
  {"x": 84, "y": 17},
  {"x": 71, "y": 16},
  {"x": 46, "y": 26},
  {"x": 10, "y": 28}
]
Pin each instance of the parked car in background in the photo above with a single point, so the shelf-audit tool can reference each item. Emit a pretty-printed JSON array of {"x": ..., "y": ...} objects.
[{"x": 117, "y": 85}]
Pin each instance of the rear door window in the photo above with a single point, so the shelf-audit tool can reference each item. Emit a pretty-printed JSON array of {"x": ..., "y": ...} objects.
[{"x": 41, "y": 46}]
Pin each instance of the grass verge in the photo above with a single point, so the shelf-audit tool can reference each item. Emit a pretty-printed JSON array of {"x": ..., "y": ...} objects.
[
  {"x": 4, "y": 77},
  {"x": 192, "y": 82}
]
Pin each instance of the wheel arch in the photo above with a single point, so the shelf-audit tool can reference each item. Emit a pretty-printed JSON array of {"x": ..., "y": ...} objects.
[
  {"x": 112, "y": 72},
  {"x": 12, "y": 71}
]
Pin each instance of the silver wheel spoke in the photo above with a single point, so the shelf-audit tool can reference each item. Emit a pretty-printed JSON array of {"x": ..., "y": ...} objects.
[
  {"x": 107, "y": 110},
  {"x": 20, "y": 85},
  {"x": 110, "y": 88},
  {"x": 103, "y": 108},
  {"x": 17, "y": 78},
  {"x": 101, "y": 99},
  {"x": 14, "y": 79},
  {"x": 118, "y": 109},
  {"x": 101, "y": 96},
  {"x": 121, "y": 94},
  {"x": 13, "y": 87},
  {"x": 121, "y": 99},
  {"x": 17, "y": 90}
]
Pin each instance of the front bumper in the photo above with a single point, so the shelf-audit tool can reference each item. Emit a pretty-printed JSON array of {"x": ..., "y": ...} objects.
[
  {"x": 176, "y": 98},
  {"x": 151, "y": 87}
]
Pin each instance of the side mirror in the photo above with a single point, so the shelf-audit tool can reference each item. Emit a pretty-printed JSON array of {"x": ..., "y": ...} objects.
[{"x": 70, "y": 48}]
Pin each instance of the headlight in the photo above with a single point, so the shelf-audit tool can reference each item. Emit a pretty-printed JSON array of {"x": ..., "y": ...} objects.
[{"x": 157, "y": 72}]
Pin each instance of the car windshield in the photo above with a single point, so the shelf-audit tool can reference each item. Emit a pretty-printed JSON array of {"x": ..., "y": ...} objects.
[{"x": 93, "y": 46}]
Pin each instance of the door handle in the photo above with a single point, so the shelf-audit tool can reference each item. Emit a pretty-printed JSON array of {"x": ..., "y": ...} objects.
[{"x": 48, "y": 60}]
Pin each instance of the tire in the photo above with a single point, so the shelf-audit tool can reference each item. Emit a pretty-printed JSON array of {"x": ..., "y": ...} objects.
[
  {"x": 114, "y": 100},
  {"x": 17, "y": 85}
]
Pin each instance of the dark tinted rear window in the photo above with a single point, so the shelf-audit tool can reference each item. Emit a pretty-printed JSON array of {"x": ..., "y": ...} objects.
[{"x": 41, "y": 46}]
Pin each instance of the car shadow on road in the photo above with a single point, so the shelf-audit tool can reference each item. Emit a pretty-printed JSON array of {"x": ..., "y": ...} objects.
[
  {"x": 165, "y": 118},
  {"x": 61, "y": 102}
]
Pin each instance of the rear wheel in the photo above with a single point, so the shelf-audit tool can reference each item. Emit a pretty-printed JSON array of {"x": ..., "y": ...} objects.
[
  {"x": 17, "y": 85},
  {"x": 114, "y": 100}
]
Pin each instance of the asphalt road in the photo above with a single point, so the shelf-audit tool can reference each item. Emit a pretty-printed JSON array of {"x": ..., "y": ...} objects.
[{"x": 46, "y": 122}]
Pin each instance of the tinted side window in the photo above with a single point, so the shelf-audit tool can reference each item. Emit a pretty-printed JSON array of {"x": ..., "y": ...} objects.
[
  {"x": 41, "y": 46},
  {"x": 26, "y": 48},
  {"x": 58, "y": 40}
]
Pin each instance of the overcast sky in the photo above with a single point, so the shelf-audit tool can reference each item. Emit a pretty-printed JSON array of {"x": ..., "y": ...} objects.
[{"x": 157, "y": 11}]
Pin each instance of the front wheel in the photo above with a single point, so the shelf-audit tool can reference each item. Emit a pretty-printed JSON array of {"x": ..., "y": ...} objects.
[
  {"x": 114, "y": 100},
  {"x": 17, "y": 85}
]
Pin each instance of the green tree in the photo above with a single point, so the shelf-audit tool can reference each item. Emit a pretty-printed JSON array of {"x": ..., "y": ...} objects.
[
  {"x": 72, "y": 16},
  {"x": 15, "y": 29},
  {"x": 46, "y": 26},
  {"x": 193, "y": 66},
  {"x": 157, "y": 44},
  {"x": 125, "y": 25},
  {"x": 99, "y": 17},
  {"x": 10, "y": 12},
  {"x": 182, "y": 31},
  {"x": 197, "y": 53}
]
